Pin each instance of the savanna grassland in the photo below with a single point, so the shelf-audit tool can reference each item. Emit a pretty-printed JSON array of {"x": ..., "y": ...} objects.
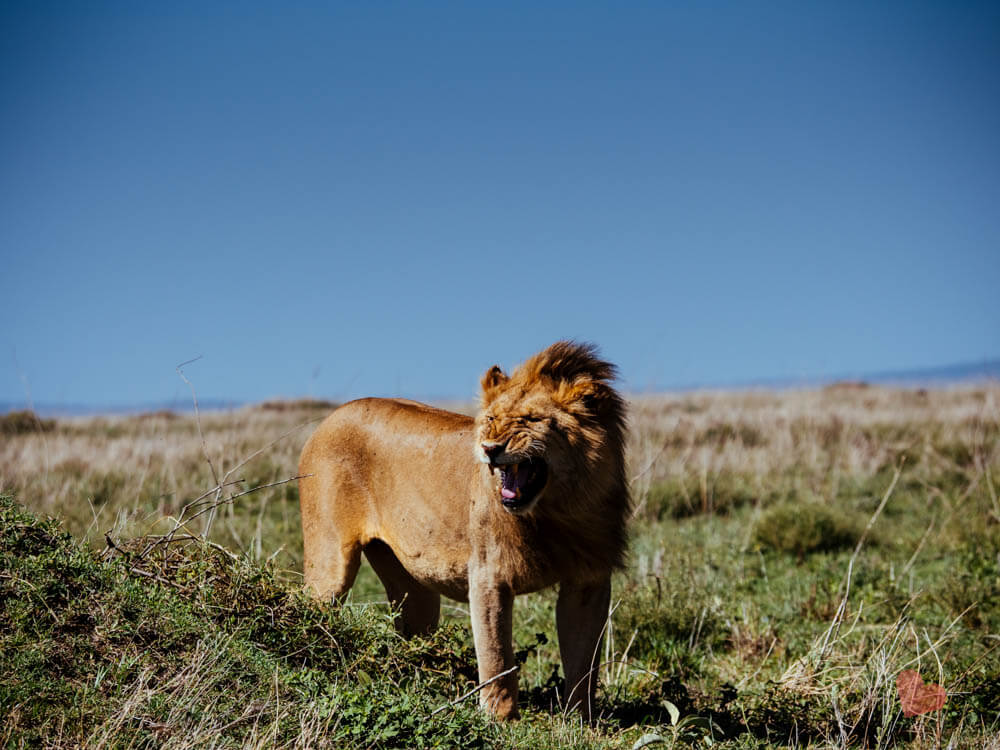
[{"x": 792, "y": 554}]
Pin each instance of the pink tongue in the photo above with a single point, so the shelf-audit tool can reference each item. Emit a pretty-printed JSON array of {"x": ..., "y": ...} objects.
[{"x": 511, "y": 483}]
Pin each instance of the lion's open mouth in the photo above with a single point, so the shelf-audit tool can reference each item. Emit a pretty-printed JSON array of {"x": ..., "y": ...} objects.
[{"x": 520, "y": 483}]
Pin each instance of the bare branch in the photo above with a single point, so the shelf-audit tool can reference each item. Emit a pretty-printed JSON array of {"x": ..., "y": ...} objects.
[
  {"x": 472, "y": 692},
  {"x": 197, "y": 415},
  {"x": 182, "y": 522}
]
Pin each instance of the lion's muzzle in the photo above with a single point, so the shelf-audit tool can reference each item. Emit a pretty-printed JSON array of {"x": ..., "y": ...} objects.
[{"x": 522, "y": 478}]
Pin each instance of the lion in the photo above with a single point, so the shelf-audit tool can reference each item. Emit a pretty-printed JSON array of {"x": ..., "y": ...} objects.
[{"x": 529, "y": 494}]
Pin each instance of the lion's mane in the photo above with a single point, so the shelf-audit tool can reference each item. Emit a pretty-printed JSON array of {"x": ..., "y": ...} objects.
[{"x": 589, "y": 503}]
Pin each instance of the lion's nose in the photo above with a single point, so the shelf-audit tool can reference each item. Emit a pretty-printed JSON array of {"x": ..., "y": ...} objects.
[{"x": 492, "y": 450}]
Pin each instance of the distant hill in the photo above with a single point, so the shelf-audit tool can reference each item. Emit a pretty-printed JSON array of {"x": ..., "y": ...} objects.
[
  {"x": 915, "y": 378},
  {"x": 923, "y": 377},
  {"x": 963, "y": 373},
  {"x": 46, "y": 409}
]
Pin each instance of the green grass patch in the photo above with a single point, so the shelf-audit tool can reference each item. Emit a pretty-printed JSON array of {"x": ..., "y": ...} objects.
[{"x": 187, "y": 646}]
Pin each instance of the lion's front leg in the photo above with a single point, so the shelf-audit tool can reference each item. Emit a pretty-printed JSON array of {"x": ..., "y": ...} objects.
[
  {"x": 580, "y": 616},
  {"x": 492, "y": 608}
]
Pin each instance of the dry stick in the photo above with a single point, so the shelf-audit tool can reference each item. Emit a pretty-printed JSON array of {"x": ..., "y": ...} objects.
[
  {"x": 244, "y": 462},
  {"x": 652, "y": 463},
  {"x": 204, "y": 445},
  {"x": 263, "y": 448},
  {"x": 913, "y": 558},
  {"x": 112, "y": 545},
  {"x": 609, "y": 640},
  {"x": 202, "y": 498},
  {"x": 760, "y": 666},
  {"x": 225, "y": 501},
  {"x": 623, "y": 663},
  {"x": 197, "y": 414},
  {"x": 247, "y": 492},
  {"x": 180, "y": 519},
  {"x": 958, "y": 680},
  {"x": 840, "y": 720},
  {"x": 153, "y": 576},
  {"x": 217, "y": 489},
  {"x": 474, "y": 690},
  {"x": 948, "y": 628},
  {"x": 182, "y": 522},
  {"x": 834, "y": 629}
]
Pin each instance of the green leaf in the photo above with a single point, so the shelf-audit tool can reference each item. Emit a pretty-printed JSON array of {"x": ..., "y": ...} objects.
[
  {"x": 675, "y": 713},
  {"x": 648, "y": 739}
]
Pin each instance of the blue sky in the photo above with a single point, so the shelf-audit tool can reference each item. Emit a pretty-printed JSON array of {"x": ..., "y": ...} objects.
[{"x": 386, "y": 198}]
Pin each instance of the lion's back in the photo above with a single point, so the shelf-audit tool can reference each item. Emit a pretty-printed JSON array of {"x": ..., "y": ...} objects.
[
  {"x": 393, "y": 470},
  {"x": 366, "y": 421}
]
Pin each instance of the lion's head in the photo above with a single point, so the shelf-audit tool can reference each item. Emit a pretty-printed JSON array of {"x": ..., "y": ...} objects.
[{"x": 554, "y": 429}]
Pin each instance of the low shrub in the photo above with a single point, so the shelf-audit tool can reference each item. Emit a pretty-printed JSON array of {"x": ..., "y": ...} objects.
[
  {"x": 801, "y": 528},
  {"x": 24, "y": 422}
]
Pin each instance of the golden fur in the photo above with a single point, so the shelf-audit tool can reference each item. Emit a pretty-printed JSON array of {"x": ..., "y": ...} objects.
[{"x": 530, "y": 494}]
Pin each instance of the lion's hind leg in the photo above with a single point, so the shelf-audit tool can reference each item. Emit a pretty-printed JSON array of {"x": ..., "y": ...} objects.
[
  {"x": 420, "y": 608},
  {"x": 330, "y": 572}
]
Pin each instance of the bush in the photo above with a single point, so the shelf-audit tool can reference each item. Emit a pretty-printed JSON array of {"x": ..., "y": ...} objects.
[
  {"x": 23, "y": 422},
  {"x": 804, "y": 528}
]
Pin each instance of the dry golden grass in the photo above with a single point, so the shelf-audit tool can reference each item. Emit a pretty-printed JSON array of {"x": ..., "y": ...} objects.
[
  {"x": 820, "y": 436},
  {"x": 707, "y": 450},
  {"x": 763, "y": 432},
  {"x": 130, "y": 473}
]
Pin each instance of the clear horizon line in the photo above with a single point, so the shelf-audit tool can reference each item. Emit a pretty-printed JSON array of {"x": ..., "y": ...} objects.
[{"x": 987, "y": 370}]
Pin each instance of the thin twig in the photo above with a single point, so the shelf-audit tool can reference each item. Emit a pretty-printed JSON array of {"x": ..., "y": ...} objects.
[
  {"x": 958, "y": 680},
  {"x": 112, "y": 545},
  {"x": 228, "y": 500},
  {"x": 197, "y": 414},
  {"x": 265, "y": 486},
  {"x": 920, "y": 546},
  {"x": 652, "y": 463},
  {"x": 181, "y": 522},
  {"x": 260, "y": 450},
  {"x": 159, "y": 579},
  {"x": 33, "y": 588},
  {"x": 834, "y": 630},
  {"x": 474, "y": 690}
]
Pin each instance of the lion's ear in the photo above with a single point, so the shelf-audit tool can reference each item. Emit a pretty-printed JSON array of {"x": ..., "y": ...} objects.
[
  {"x": 586, "y": 392},
  {"x": 493, "y": 378}
]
